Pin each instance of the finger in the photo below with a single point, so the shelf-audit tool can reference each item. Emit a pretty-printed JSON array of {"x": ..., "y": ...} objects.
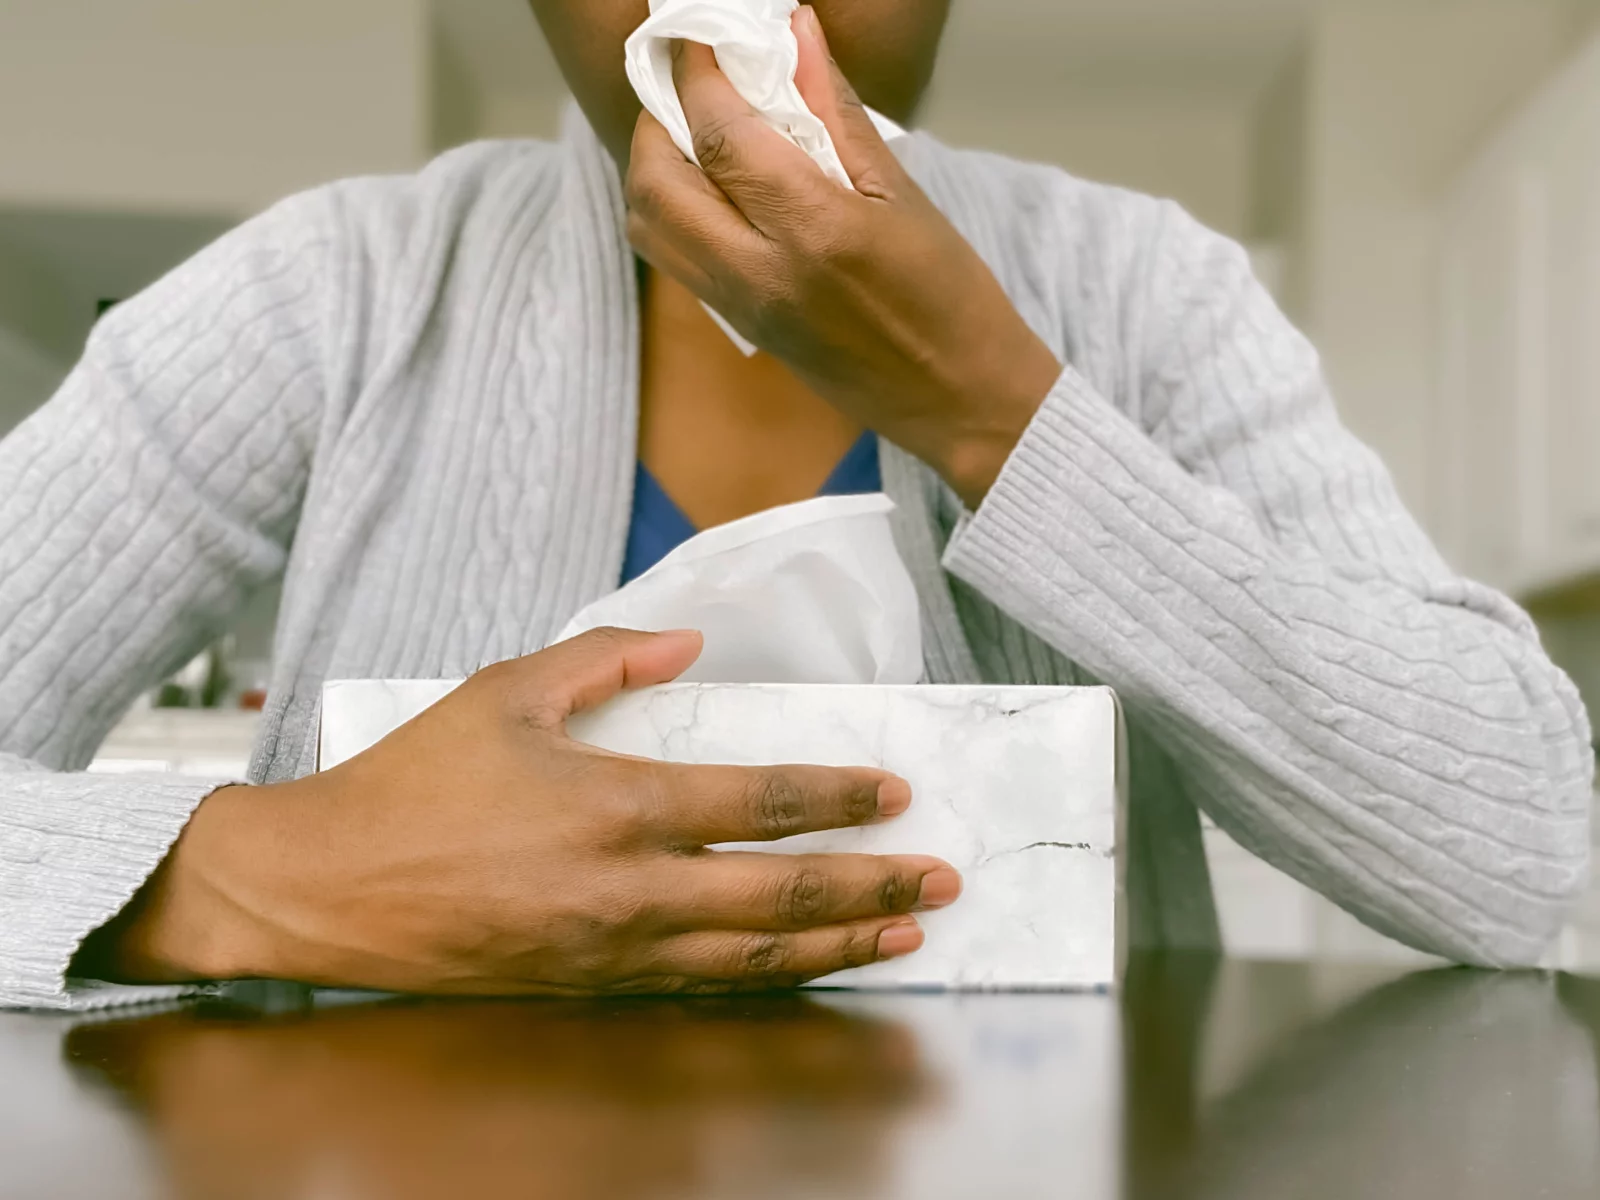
[
  {"x": 662, "y": 253},
  {"x": 673, "y": 194},
  {"x": 679, "y": 221},
  {"x": 590, "y": 669},
  {"x": 867, "y": 158},
  {"x": 788, "y": 893},
  {"x": 759, "y": 960},
  {"x": 705, "y": 806},
  {"x": 767, "y": 176}
]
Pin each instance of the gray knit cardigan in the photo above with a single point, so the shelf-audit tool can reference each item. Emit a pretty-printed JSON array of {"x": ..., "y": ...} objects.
[{"x": 414, "y": 400}]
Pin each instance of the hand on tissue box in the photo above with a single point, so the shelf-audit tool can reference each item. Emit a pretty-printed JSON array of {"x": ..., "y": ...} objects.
[{"x": 1018, "y": 788}]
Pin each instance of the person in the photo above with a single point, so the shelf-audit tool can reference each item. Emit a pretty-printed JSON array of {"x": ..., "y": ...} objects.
[{"x": 424, "y": 402}]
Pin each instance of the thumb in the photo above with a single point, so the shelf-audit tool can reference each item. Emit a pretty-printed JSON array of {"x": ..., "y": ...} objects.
[
  {"x": 867, "y": 158},
  {"x": 583, "y": 673}
]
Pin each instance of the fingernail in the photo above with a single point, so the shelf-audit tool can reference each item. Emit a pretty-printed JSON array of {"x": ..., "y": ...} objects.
[
  {"x": 894, "y": 797},
  {"x": 940, "y": 889},
  {"x": 897, "y": 941}
]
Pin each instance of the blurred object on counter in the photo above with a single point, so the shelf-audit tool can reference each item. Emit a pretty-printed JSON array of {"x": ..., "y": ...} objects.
[
  {"x": 201, "y": 684},
  {"x": 249, "y": 691},
  {"x": 205, "y": 743},
  {"x": 217, "y": 678}
]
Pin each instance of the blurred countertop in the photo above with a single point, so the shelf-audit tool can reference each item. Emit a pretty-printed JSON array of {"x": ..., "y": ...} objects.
[{"x": 182, "y": 741}]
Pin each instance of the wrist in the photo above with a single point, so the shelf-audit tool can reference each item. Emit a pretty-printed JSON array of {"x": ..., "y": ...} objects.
[
  {"x": 183, "y": 926},
  {"x": 972, "y": 465},
  {"x": 971, "y": 459}
]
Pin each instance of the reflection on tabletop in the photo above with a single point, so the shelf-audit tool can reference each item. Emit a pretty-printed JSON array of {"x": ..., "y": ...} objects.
[
  {"x": 1446, "y": 1083},
  {"x": 558, "y": 1099},
  {"x": 1206, "y": 1078}
]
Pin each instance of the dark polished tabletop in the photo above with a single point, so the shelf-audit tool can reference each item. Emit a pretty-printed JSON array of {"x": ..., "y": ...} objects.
[{"x": 1203, "y": 1078}]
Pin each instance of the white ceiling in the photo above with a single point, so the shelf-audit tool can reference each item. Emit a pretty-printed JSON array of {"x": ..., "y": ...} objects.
[{"x": 1230, "y": 47}]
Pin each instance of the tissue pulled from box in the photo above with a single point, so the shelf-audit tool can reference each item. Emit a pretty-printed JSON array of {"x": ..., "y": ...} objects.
[{"x": 811, "y": 593}]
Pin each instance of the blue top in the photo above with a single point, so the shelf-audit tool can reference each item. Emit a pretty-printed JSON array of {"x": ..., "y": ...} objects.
[{"x": 659, "y": 526}]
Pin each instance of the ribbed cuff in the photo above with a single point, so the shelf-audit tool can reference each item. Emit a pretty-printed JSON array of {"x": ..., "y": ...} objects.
[
  {"x": 1089, "y": 509},
  {"x": 74, "y": 850}
]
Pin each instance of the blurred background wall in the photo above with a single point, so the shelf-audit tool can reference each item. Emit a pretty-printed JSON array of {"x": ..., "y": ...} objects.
[
  {"x": 1324, "y": 133},
  {"x": 1417, "y": 180}
]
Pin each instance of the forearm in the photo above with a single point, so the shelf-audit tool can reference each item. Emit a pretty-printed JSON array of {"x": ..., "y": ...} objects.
[
  {"x": 139, "y": 509},
  {"x": 168, "y": 933},
  {"x": 1407, "y": 750}
]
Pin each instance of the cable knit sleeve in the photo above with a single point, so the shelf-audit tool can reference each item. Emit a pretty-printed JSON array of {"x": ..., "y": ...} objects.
[
  {"x": 1220, "y": 549},
  {"x": 138, "y": 510}
]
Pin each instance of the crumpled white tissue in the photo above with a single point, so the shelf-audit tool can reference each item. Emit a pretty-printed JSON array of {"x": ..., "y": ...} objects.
[
  {"x": 756, "y": 49},
  {"x": 811, "y": 593}
]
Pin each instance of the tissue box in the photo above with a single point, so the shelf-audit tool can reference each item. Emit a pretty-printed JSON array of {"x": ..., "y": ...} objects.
[{"x": 1021, "y": 789}]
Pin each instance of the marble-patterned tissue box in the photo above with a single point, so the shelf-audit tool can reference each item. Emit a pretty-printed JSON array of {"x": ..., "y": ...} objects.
[{"x": 1022, "y": 789}]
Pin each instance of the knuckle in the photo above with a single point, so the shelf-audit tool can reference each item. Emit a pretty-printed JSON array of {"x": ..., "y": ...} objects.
[
  {"x": 877, "y": 185},
  {"x": 645, "y": 193},
  {"x": 623, "y": 912},
  {"x": 860, "y": 948},
  {"x": 590, "y": 957},
  {"x": 763, "y": 956},
  {"x": 778, "y": 302},
  {"x": 640, "y": 234},
  {"x": 897, "y": 893},
  {"x": 612, "y": 806},
  {"x": 637, "y": 187},
  {"x": 601, "y": 940},
  {"x": 715, "y": 145},
  {"x": 608, "y": 637},
  {"x": 526, "y": 702},
  {"x": 803, "y": 898},
  {"x": 537, "y": 714},
  {"x": 780, "y": 805},
  {"x": 860, "y": 803},
  {"x": 822, "y": 233},
  {"x": 628, "y": 805}
]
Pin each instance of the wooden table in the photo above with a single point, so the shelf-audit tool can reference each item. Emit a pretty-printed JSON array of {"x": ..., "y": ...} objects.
[{"x": 1204, "y": 1078}]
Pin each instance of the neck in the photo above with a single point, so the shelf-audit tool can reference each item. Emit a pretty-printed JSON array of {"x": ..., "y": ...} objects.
[{"x": 726, "y": 435}]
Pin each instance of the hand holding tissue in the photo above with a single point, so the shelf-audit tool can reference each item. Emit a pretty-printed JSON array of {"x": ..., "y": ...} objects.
[
  {"x": 833, "y": 259},
  {"x": 756, "y": 49},
  {"x": 811, "y": 624}
]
